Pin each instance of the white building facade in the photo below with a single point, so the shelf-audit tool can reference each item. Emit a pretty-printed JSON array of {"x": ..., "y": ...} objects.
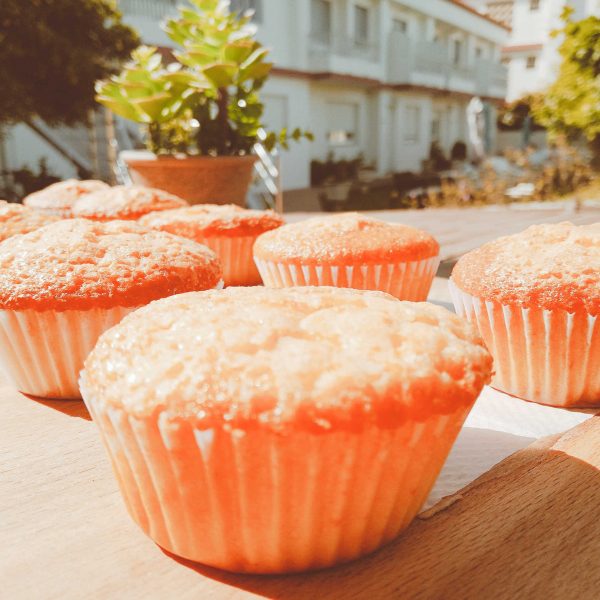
[
  {"x": 380, "y": 79},
  {"x": 531, "y": 54}
]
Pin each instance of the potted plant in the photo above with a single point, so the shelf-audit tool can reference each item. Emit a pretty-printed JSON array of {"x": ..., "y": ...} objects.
[{"x": 201, "y": 113}]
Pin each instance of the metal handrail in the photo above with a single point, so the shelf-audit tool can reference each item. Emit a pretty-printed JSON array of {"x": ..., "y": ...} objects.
[{"x": 268, "y": 169}]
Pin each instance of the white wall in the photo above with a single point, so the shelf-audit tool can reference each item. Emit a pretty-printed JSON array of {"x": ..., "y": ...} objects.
[
  {"x": 533, "y": 28},
  {"x": 284, "y": 28},
  {"x": 287, "y": 104}
]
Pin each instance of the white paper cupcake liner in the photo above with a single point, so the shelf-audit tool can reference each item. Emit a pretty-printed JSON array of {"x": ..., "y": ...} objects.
[
  {"x": 547, "y": 356},
  {"x": 235, "y": 254},
  {"x": 44, "y": 351},
  {"x": 406, "y": 280},
  {"x": 267, "y": 502}
]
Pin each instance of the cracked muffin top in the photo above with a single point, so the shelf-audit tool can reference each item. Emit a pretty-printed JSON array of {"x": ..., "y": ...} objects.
[
  {"x": 125, "y": 202},
  {"x": 58, "y": 198},
  {"x": 546, "y": 266},
  {"x": 81, "y": 264},
  {"x": 207, "y": 220},
  {"x": 345, "y": 239},
  {"x": 16, "y": 219},
  {"x": 308, "y": 358}
]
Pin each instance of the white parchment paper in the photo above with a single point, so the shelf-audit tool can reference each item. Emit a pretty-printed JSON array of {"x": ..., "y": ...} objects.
[{"x": 498, "y": 426}]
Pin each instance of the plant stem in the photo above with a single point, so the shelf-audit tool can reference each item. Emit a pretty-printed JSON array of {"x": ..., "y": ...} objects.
[
  {"x": 154, "y": 138},
  {"x": 223, "y": 120}
]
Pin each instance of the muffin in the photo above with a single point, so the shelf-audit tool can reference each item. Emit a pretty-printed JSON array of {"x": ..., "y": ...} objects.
[
  {"x": 58, "y": 198},
  {"x": 125, "y": 202},
  {"x": 306, "y": 429},
  {"x": 62, "y": 285},
  {"x": 229, "y": 230},
  {"x": 349, "y": 250},
  {"x": 16, "y": 218},
  {"x": 535, "y": 298}
]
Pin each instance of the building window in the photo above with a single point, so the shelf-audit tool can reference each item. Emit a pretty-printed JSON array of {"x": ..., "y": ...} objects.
[
  {"x": 505, "y": 60},
  {"x": 534, "y": 4},
  {"x": 361, "y": 24},
  {"x": 478, "y": 52},
  {"x": 457, "y": 51},
  {"x": 321, "y": 20},
  {"x": 530, "y": 62},
  {"x": 412, "y": 123},
  {"x": 342, "y": 118},
  {"x": 400, "y": 25},
  {"x": 244, "y": 5}
]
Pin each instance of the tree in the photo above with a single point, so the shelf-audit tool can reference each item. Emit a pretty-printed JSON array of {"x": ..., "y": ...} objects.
[
  {"x": 51, "y": 54},
  {"x": 571, "y": 106},
  {"x": 513, "y": 115}
]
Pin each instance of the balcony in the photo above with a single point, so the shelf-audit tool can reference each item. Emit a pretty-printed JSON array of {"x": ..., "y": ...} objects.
[
  {"x": 146, "y": 16},
  {"x": 420, "y": 62},
  {"x": 340, "y": 54},
  {"x": 156, "y": 9},
  {"x": 491, "y": 78}
]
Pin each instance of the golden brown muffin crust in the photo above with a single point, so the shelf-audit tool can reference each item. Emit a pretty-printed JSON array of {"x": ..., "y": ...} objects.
[
  {"x": 308, "y": 358},
  {"x": 208, "y": 220},
  {"x": 125, "y": 202},
  {"x": 16, "y": 219},
  {"x": 80, "y": 264},
  {"x": 344, "y": 239},
  {"x": 554, "y": 267}
]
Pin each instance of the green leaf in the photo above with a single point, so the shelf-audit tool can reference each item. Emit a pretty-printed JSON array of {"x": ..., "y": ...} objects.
[
  {"x": 238, "y": 51},
  {"x": 200, "y": 55},
  {"x": 125, "y": 110},
  {"x": 143, "y": 54},
  {"x": 206, "y": 5},
  {"x": 175, "y": 31},
  {"x": 256, "y": 71},
  {"x": 221, "y": 74},
  {"x": 257, "y": 56},
  {"x": 152, "y": 106}
]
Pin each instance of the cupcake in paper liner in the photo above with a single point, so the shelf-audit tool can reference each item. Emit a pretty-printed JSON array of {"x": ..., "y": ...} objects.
[
  {"x": 535, "y": 298},
  {"x": 125, "y": 202},
  {"x": 349, "y": 250},
  {"x": 64, "y": 284},
  {"x": 272, "y": 431},
  {"x": 58, "y": 199},
  {"x": 229, "y": 230}
]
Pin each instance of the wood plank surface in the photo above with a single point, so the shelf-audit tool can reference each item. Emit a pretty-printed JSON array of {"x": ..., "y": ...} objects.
[{"x": 526, "y": 529}]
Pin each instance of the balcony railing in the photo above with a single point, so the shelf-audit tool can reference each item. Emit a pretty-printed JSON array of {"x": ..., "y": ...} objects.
[
  {"x": 431, "y": 57},
  {"x": 322, "y": 43},
  {"x": 156, "y": 9},
  {"x": 425, "y": 62}
]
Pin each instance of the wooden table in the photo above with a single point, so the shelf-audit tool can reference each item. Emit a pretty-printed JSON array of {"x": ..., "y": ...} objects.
[
  {"x": 526, "y": 529},
  {"x": 459, "y": 230}
]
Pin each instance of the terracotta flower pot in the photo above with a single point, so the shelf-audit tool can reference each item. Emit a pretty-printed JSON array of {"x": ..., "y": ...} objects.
[{"x": 197, "y": 179}]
